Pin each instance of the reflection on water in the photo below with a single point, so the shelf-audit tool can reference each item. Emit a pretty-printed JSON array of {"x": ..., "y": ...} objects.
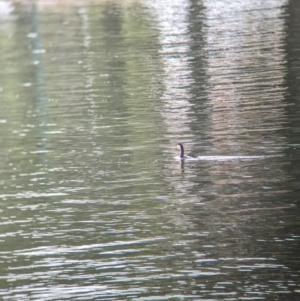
[
  {"x": 174, "y": 39},
  {"x": 245, "y": 73},
  {"x": 94, "y": 204}
]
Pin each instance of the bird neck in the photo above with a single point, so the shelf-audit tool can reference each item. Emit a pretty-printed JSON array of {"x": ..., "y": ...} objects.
[{"x": 181, "y": 150}]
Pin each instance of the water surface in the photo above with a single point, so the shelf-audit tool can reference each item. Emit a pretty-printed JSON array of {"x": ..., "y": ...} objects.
[{"x": 94, "y": 203}]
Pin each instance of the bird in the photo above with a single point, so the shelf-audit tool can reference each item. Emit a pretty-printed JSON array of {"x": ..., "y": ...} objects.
[{"x": 182, "y": 155}]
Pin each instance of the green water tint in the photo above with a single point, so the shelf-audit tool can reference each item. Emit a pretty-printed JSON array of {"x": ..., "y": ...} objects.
[{"x": 94, "y": 203}]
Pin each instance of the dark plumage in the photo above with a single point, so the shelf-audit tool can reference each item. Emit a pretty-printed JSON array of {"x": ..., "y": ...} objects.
[{"x": 180, "y": 147}]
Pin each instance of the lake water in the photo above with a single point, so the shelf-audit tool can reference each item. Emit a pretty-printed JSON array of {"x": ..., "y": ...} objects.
[{"x": 94, "y": 202}]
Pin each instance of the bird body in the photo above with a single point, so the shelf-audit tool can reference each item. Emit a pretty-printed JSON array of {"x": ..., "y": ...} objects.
[
  {"x": 181, "y": 149},
  {"x": 182, "y": 156}
]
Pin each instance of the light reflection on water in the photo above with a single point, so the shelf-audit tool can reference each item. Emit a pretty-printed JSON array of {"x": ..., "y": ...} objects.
[{"x": 94, "y": 206}]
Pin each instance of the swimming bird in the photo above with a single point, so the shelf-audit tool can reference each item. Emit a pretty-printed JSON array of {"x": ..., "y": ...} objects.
[
  {"x": 216, "y": 157},
  {"x": 182, "y": 155}
]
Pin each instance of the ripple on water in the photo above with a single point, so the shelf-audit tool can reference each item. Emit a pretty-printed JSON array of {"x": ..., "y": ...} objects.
[{"x": 93, "y": 204}]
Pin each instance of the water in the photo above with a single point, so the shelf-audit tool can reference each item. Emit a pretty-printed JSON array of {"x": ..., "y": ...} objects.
[{"x": 94, "y": 203}]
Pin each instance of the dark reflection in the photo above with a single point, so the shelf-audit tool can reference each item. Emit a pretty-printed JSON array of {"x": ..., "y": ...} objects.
[
  {"x": 292, "y": 150},
  {"x": 182, "y": 166}
]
